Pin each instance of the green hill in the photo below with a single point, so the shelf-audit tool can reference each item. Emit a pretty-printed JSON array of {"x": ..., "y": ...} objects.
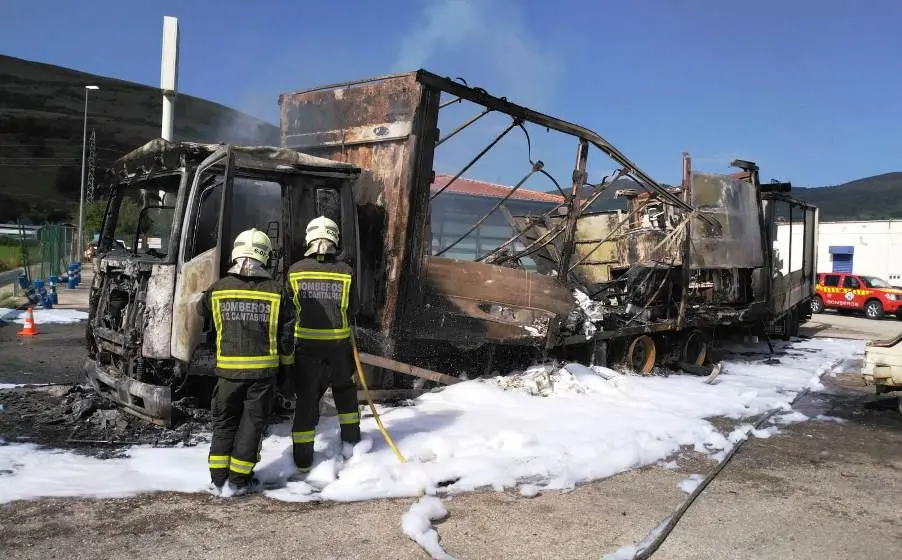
[
  {"x": 41, "y": 112},
  {"x": 872, "y": 198}
]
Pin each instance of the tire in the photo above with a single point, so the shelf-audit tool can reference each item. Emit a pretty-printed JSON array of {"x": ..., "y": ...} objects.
[
  {"x": 787, "y": 325},
  {"x": 817, "y": 304},
  {"x": 694, "y": 348},
  {"x": 873, "y": 309},
  {"x": 899, "y": 315}
]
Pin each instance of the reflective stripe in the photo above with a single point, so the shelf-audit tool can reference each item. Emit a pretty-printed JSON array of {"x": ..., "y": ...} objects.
[
  {"x": 303, "y": 437},
  {"x": 322, "y": 334},
  {"x": 349, "y": 418},
  {"x": 304, "y": 470},
  {"x": 260, "y": 246},
  {"x": 231, "y": 362},
  {"x": 286, "y": 359},
  {"x": 269, "y": 360},
  {"x": 241, "y": 467},
  {"x": 218, "y": 461}
]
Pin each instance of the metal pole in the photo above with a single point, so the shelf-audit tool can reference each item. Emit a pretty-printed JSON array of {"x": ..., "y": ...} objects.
[{"x": 81, "y": 198}]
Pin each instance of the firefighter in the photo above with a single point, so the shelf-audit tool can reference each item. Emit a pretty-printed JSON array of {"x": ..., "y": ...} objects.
[
  {"x": 323, "y": 292},
  {"x": 253, "y": 321}
]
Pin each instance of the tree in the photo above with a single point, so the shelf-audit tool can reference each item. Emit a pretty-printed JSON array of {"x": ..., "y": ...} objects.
[
  {"x": 126, "y": 221},
  {"x": 94, "y": 214}
]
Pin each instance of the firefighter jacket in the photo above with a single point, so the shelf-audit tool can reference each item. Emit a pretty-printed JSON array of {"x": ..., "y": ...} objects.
[
  {"x": 323, "y": 295},
  {"x": 253, "y": 320}
]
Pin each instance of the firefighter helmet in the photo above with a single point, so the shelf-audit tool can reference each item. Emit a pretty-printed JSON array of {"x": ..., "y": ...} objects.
[
  {"x": 322, "y": 228},
  {"x": 253, "y": 244}
]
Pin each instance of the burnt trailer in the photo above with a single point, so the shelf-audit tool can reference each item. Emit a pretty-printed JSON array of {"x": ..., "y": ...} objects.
[
  {"x": 684, "y": 262},
  {"x": 676, "y": 266}
]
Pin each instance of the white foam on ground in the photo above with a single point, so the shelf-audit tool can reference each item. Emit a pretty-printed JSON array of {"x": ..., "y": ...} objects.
[
  {"x": 537, "y": 431},
  {"x": 417, "y": 524},
  {"x": 690, "y": 484},
  {"x": 44, "y": 316}
]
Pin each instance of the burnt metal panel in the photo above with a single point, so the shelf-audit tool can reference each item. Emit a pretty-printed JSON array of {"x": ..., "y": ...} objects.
[
  {"x": 386, "y": 126},
  {"x": 472, "y": 301},
  {"x": 158, "y": 312},
  {"x": 733, "y": 203}
]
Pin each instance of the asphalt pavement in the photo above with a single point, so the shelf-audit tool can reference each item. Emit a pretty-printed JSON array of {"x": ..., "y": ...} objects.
[{"x": 818, "y": 490}]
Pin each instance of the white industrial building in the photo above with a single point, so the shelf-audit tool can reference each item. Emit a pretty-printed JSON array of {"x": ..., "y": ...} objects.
[{"x": 873, "y": 248}]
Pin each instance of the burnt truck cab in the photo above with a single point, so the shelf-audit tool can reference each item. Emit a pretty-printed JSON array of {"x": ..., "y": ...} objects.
[{"x": 178, "y": 207}]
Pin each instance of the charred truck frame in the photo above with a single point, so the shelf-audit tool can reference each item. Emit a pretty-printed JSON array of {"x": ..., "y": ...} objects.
[{"x": 646, "y": 285}]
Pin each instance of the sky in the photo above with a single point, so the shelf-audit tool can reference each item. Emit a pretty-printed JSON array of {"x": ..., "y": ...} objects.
[{"x": 810, "y": 90}]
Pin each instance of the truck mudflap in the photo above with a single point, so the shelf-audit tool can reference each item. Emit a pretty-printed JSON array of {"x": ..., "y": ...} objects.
[{"x": 150, "y": 402}]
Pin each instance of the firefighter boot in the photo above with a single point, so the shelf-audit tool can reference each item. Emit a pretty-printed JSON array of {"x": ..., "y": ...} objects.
[
  {"x": 300, "y": 474},
  {"x": 237, "y": 490},
  {"x": 350, "y": 427}
]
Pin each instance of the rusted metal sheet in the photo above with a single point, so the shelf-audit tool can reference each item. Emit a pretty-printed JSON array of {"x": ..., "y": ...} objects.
[
  {"x": 386, "y": 126},
  {"x": 479, "y": 302},
  {"x": 734, "y": 203},
  {"x": 158, "y": 312}
]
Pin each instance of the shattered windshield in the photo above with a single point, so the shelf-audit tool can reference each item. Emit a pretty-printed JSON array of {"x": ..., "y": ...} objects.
[
  {"x": 874, "y": 282},
  {"x": 143, "y": 214}
]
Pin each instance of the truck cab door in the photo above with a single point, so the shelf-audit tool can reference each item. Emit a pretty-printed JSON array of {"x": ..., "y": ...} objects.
[
  {"x": 200, "y": 252},
  {"x": 850, "y": 292}
]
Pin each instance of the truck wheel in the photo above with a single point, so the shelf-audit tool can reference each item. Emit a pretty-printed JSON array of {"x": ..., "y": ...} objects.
[
  {"x": 817, "y": 304},
  {"x": 873, "y": 309},
  {"x": 694, "y": 349},
  {"x": 641, "y": 354},
  {"x": 796, "y": 322}
]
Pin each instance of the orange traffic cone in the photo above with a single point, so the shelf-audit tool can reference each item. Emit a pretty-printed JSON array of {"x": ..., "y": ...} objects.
[{"x": 29, "y": 329}]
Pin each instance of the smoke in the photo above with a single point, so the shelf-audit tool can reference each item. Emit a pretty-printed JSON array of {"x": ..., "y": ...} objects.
[{"x": 488, "y": 42}]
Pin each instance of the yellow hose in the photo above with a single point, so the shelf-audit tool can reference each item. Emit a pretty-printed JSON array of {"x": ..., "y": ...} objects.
[{"x": 369, "y": 400}]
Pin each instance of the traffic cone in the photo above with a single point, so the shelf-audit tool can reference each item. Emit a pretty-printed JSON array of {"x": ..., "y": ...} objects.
[{"x": 29, "y": 329}]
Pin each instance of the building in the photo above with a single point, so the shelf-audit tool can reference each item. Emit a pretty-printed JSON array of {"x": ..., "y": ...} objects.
[
  {"x": 466, "y": 201},
  {"x": 873, "y": 248},
  {"x": 16, "y": 231}
]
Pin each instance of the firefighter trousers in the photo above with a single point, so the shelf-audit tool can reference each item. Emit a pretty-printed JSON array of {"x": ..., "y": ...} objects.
[
  {"x": 318, "y": 365},
  {"x": 240, "y": 410}
]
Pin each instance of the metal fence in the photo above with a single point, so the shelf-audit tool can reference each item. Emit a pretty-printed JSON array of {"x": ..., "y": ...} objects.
[
  {"x": 58, "y": 248},
  {"x": 40, "y": 251}
]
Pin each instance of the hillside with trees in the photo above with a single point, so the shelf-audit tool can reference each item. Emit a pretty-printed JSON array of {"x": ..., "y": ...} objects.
[
  {"x": 41, "y": 119},
  {"x": 872, "y": 198}
]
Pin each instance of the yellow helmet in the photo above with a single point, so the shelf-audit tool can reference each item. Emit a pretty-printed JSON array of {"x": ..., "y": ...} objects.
[
  {"x": 253, "y": 244},
  {"x": 322, "y": 228}
]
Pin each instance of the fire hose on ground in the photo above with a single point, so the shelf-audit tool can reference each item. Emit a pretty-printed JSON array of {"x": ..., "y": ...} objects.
[{"x": 646, "y": 549}]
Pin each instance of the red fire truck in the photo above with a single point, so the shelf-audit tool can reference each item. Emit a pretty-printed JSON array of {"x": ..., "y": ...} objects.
[{"x": 855, "y": 292}]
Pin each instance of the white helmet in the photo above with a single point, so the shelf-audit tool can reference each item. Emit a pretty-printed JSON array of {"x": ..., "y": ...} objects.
[
  {"x": 253, "y": 244},
  {"x": 322, "y": 236}
]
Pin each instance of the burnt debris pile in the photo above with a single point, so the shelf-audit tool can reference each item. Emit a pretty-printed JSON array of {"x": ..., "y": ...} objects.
[{"x": 77, "y": 417}]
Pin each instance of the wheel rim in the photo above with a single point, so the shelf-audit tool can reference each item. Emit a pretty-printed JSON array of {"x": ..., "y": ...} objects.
[
  {"x": 871, "y": 310},
  {"x": 695, "y": 348},
  {"x": 642, "y": 353}
]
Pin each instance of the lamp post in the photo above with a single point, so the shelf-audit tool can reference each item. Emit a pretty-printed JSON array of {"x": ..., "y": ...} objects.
[{"x": 81, "y": 199}]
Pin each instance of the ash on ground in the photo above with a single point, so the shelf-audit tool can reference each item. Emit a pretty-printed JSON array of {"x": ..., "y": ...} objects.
[{"x": 77, "y": 418}]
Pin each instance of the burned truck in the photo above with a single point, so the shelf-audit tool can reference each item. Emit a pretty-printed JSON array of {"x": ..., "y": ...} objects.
[{"x": 364, "y": 153}]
